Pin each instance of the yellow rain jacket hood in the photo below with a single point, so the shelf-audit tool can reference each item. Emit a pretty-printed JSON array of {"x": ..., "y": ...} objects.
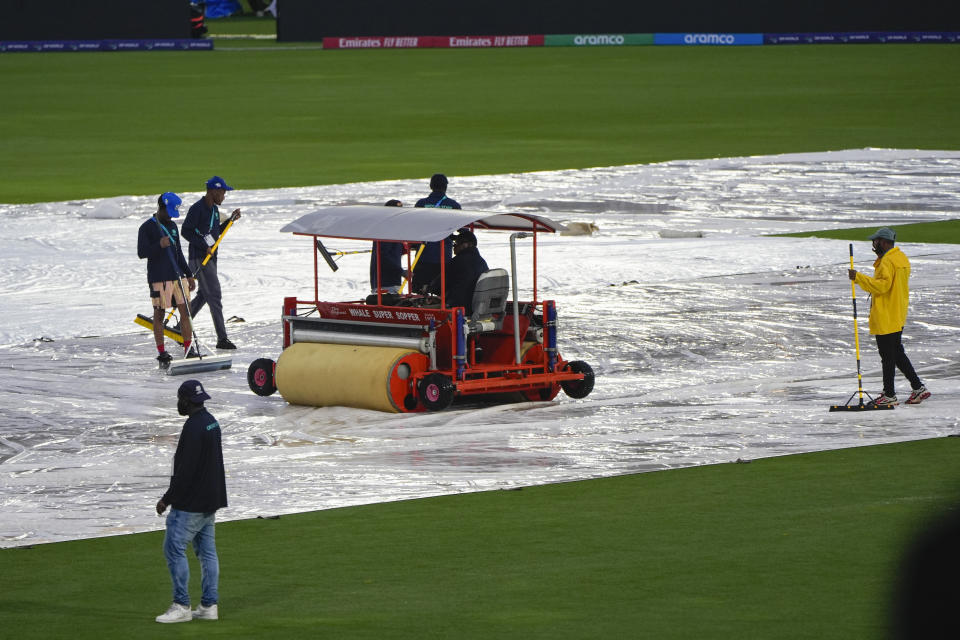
[{"x": 889, "y": 289}]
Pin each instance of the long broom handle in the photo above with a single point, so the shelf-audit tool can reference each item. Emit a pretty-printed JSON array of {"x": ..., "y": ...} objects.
[
  {"x": 186, "y": 298},
  {"x": 204, "y": 263},
  {"x": 856, "y": 331}
]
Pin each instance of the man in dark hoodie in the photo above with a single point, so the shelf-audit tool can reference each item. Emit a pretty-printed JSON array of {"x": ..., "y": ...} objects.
[
  {"x": 197, "y": 489},
  {"x": 463, "y": 272},
  {"x": 159, "y": 243},
  {"x": 428, "y": 266}
]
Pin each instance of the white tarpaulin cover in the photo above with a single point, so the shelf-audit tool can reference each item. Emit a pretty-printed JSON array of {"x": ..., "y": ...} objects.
[{"x": 712, "y": 340}]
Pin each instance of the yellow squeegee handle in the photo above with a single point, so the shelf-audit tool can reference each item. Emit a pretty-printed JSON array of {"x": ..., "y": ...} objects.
[
  {"x": 216, "y": 244},
  {"x": 413, "y": 266},
  {"x": 856, "y": 331},
  {"x": 204, "y": 263}
]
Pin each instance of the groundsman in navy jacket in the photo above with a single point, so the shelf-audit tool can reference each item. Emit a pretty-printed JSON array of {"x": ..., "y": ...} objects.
[
  {"x": 160, "y": 268},
  {"x": 428, "y": 266}
]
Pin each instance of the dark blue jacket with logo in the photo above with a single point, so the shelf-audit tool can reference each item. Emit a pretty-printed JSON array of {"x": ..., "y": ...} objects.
[
  {"x": 160, "y": 267},
  {"x": 198, "y": 483},
  {"x": 200, "y": 221},
  {"x": 431, "y": 252}
]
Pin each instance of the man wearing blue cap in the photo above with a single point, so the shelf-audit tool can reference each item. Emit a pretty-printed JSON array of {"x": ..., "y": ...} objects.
[
  {"x": 159, "y": 243},
  {"x": 889, "y": 290},
  {"x": 197, "y": 489},
  {"x": 202, "y": 228}
]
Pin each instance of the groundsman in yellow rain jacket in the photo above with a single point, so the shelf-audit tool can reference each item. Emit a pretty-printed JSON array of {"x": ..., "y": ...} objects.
[{"x": 889, "y": 290}]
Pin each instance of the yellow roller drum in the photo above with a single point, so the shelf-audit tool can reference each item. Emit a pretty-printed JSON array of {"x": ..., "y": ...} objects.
[{"x": 323, "y": 375}]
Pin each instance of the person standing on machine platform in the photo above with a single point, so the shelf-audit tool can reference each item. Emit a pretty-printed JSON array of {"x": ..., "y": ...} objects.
[
  {"x": 390, "y": 260},
  {"x": 428, "y": 266}
]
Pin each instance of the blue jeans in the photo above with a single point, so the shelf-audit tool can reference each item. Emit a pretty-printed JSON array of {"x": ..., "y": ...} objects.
[{"x": 184, "y": 527}]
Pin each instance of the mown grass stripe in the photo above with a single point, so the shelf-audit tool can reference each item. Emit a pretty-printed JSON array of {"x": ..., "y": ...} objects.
[{"x": 792, "y": 547}]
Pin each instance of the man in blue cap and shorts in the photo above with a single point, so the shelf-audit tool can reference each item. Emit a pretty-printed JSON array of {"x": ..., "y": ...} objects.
[
  {"x": 202, "y": 228},
  {"x": 889, "y": 290},
  {"x": 197, "y": 489},
  {"x": 158, "y": 242}
]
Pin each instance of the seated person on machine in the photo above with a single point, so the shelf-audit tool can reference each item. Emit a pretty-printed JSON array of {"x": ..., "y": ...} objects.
[
  {"x": 391, "y": 271},
  {"x": 462, "y": 272}
]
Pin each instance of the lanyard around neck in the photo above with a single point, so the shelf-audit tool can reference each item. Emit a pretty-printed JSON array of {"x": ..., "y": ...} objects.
[
  {"x": 164, "y": 229},
  {"x": 435, "y": 205}
]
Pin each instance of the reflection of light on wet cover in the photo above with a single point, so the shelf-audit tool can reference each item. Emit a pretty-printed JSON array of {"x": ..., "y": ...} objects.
[{"x": 711, "y": 342}]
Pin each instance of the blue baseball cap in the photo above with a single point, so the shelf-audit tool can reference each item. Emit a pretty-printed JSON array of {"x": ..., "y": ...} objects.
[
  {"x": 193, "y": 391},
  {"x": 216, "y": 182},
  {"x": 172, "y": 203}
]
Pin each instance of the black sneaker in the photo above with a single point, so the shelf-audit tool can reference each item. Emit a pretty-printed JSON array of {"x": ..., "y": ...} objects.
[
  {"x": 192, "y": 353},
  {"x": 224, "y": 343},
  {"x": 164, "y": 360}
]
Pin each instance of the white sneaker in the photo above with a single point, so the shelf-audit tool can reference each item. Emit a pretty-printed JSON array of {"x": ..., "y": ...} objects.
[
  {"x": 176, "y": 613},
  {"x": 883, "y": 400},
  {"x": 206, "y": 613},
  {"x": 918, "y": 395}
]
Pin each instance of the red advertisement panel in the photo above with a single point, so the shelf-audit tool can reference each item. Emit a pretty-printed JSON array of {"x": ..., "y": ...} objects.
[
  {"x": 488, "y": 41},
  {"x": 413, "y": 42},
  {"x": 378, "y": 42}
]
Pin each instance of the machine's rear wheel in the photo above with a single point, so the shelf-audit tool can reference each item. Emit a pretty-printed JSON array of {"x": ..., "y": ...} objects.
[
  {"x": 578, "y": 388},
  {"x": 260, "y": 377},
  {"x": 436, "y": 391}
]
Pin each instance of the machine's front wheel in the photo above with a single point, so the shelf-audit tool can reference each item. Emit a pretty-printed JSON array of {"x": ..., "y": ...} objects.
[
  {"x": 578, "y": 388},
  {"x": 260, "y": 377},
  {"x": 436, "y": 391}
]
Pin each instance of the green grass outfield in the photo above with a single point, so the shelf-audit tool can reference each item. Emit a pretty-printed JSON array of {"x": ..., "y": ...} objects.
[
  {"x": 803, "y": 546},
  {"x": 77, "y": 125},
  {"x": 945, "y": 232}
]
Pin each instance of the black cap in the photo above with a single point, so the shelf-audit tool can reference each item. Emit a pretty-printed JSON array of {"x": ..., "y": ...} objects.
[
  {"x": 193, "y": 391},
  {"x": 465, "y": 235},
  {"x": 438, "y": 182},
  {"x": 393, "y": 203}
]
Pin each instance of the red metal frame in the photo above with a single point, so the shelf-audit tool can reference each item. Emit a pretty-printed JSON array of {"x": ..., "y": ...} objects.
[{"x": 494, "y": 372}]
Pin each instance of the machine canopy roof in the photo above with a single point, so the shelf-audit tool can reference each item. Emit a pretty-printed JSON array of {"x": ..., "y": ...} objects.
[{"x": 377, "y": 222}]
